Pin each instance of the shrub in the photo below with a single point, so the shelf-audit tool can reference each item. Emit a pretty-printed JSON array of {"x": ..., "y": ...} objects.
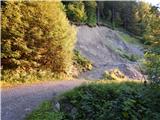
[
  {"x": 21, "y": 76},
  {"x": 114, "y": 74},
  {"x": 82, "y": 63},
  {"x": 36, "y": 35},
  {"x": 107, "y": 101},
  {"x": 152, "y": 64},
  {"x": 111, "y": 102}
]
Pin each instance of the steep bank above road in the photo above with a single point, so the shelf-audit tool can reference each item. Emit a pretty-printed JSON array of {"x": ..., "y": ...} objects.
[{"x": 107, "y": 49}]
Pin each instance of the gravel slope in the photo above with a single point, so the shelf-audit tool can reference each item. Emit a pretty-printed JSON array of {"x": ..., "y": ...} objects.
[
  {"x": 101, "y": 46},
  {"x": 17, "y": 102}
]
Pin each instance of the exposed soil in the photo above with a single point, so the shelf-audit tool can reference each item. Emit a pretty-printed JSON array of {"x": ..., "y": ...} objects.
[{"x": 100, "y": 46}]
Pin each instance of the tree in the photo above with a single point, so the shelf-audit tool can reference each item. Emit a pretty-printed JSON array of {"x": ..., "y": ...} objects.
[
  {"x": 75, "y": 11},
  {"x": 90, "y": 8},
  {"x": 152, "y": 37},
  {"x": 36, "y": 35}
]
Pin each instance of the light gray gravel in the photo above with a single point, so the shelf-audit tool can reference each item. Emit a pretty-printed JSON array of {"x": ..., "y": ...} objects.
[
  {"x": 17, "y": 102},
  {"x": 100, "y": 45}
]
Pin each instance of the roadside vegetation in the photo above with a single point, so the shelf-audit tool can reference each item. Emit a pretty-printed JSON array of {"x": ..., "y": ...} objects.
[
  {"x": 81, "y": 62},
  {"x": 104, "y": 101},
  {"x": 114, "y": 74},
  {"x": 38, "y": 40},
  {"x": 37, "y": 43}
]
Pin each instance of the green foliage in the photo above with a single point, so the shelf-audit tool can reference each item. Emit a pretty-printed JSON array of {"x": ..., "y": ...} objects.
[
  {"x": 104, "y": 101},
  {"x": 152, "y": 64},
  {"x": 152, "y": 33},
  {"x": 82, "y": 63},
  {"x": 114, "y": 74},
  {"x": 128, "y": 56},
  {"x": 36, "y": 35},
  {"x": 129, "y": 39},
  {"x": 90, "y": 8},
  {"x": 45, "y": 112},
  {"x": 130, "y": 15},
  {"x": 75, "y": 11},
  {"x": 152, "y": 37},
  {"x": 81, "y": 12},
  {"x": 112, "y": 102},
  {"x": 21, "y": 76}
]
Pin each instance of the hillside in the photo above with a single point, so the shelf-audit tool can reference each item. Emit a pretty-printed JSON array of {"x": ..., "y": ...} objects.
[{"x": 108, "y": 49}]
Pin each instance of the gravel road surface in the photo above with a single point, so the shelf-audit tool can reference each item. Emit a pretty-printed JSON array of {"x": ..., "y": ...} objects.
[{"x": 17, "y": 102}]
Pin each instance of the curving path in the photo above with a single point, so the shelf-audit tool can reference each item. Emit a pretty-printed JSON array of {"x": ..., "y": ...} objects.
[{"x": 17, "y": 102}]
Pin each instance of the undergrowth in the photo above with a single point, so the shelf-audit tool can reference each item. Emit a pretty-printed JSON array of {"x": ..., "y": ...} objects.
[
  {"x": 105, "y": 101},
  {"x": 129, "y": 39},
  {"x": 114, "y": 74},
  {"x": 45, "y": 112},
  {"x": 82, "y": 63},
  {"x": 18, "y": 76}
]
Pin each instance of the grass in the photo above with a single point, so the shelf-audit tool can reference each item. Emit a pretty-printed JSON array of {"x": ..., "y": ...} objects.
[
  {"x": 104, "y": 100},
  {"x": 129, "y": 39},
  {"x": 45, "y": 112},
  {"x": 131, "y": 57}
]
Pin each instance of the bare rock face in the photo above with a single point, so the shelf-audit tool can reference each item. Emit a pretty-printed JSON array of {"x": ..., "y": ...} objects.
[{"x": 100, "y": 46}]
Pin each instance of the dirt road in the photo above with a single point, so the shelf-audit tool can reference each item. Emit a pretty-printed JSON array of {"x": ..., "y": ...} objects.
[{"x": 17, "y": 102}]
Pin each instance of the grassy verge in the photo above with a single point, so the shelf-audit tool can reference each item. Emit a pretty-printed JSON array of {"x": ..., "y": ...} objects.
[
  {"x": 45, "y": 112},
  {"x": 104, "y": 101}
]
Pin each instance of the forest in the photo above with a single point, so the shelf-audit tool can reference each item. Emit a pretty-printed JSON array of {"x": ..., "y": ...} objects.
[{"x": 113, "y": 46}]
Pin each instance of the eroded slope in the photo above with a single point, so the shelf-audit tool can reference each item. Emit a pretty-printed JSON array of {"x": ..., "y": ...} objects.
[{"x": 108, "y": 50}]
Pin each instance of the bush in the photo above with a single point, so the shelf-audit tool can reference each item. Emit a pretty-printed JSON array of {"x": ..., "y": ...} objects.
[
  {"x": 114, "y": 74},
  {"x": 36, "y": 35},
  {"x": 82, "y": 63},
  {"x": 111, "y": 102},
  {"x": 152, "y": 64},
  {"x": 21, "y": 76}
]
